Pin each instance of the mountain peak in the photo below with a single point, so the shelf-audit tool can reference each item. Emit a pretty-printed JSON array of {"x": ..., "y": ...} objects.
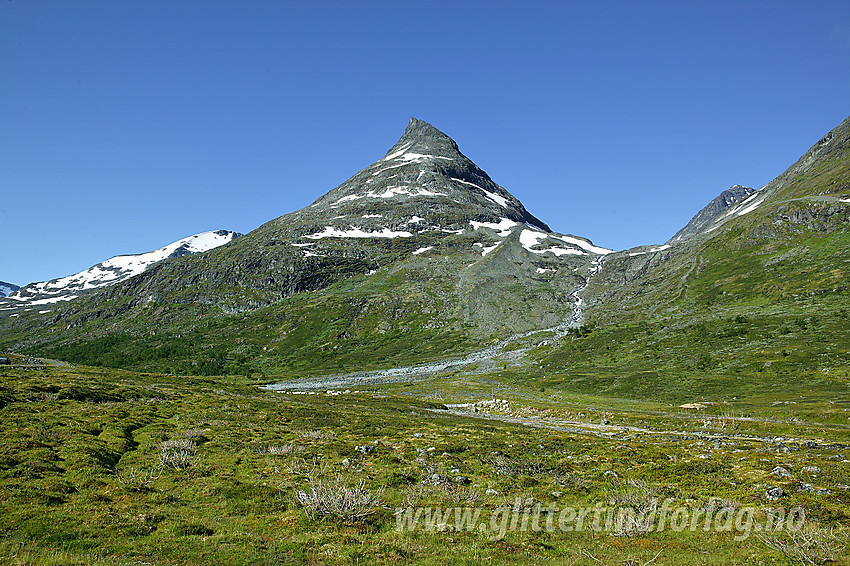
[
  {"x": 420, "y": 137},
  {"x": 424, "y": 175}
]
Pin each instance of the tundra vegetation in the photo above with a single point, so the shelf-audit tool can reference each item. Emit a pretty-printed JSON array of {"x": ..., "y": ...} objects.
[{"x": 106, "y": 466}]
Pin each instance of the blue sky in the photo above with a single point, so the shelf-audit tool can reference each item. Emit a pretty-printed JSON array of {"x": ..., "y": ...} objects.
[{"x": 126, "y": 125}]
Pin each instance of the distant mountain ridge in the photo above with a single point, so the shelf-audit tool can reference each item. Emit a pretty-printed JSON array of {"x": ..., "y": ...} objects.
[
  {"x": 707, "y": 218},
  {"x": 111, "y": 271}
]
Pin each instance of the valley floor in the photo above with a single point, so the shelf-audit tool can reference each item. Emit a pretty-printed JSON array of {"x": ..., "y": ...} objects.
[{"x": 113, "y": 467}]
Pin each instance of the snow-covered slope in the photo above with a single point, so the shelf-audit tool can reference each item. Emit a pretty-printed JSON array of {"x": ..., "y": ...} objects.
[
  {"x": 7, "y": 289},
  {"x": 111, "y": 271}
]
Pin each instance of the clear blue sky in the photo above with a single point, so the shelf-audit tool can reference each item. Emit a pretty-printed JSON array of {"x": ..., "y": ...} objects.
[{"x": 126, "y": 125}]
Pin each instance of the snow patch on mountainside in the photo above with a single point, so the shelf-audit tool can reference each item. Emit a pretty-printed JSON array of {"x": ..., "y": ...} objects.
[
  {"x": 658, "y": 249},
  {"x": 353, "y": 232},
  {"x": 395, "y": 154},
  {"x": 503, "y": 227},
  {"x": 743, "y": 207},
  {"x": 392, "y": 192},
  {"x": 530, "y": 238},
  {"x": 750, "y": 208},
  {"x": 379, "y": 171},
  {"x": 486, "y": 249},
  {"x": 564, "y": 251},
  {"x": 411, "y": 157},
  {"x": 420, "y": 157},
  {"x": 498, "y": 199},
  {"x": 584, "y": 244}
]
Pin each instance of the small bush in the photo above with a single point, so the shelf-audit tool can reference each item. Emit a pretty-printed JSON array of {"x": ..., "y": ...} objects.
[
  {"x": 283, "y": 450},
  {"x": 178, "y": 454},
  {"x": 337, "y": 499},
  {"x": 637, "y": 502},
  {"x": 181, "y": 444},
  {"x": 195, "y": 434},
  {"x": 809, "y": 545},
  {"x": 464, "y": 496},
  {"x": 316, "y": 435},
  {"x": 137, "y": 478},
  {"x": 505, "y": 466}
]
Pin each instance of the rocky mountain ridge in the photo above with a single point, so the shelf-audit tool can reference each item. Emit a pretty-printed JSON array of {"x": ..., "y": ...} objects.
[
  {"x": 782, "y": 241},
  {"x": 707, "y": 218}
]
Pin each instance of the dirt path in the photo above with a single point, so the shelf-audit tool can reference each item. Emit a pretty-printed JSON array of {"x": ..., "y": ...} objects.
[{"x": 619, "y": 431}]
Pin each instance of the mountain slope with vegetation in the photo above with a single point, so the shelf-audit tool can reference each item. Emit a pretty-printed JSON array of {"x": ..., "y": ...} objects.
[{"x": 418, "y": 255}]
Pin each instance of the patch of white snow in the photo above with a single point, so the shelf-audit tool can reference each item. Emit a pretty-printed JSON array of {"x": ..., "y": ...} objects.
[
  {"x": 353, "y": 232},
  {"x": 564, "y": 251},
  {"x": 396, "y": 153},
  {"x": 504, "y": 226},
  {"x": 584, "y": 244},
  {"x": 750, "y": 208},
  {"x": 420, "y": 157},
  {"x": 486, "y": 249}
]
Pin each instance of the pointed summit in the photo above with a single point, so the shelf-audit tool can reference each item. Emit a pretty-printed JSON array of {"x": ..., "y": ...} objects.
[
  {"x": 424, "y": 175},
  {"x": 422, "y": 138}
]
